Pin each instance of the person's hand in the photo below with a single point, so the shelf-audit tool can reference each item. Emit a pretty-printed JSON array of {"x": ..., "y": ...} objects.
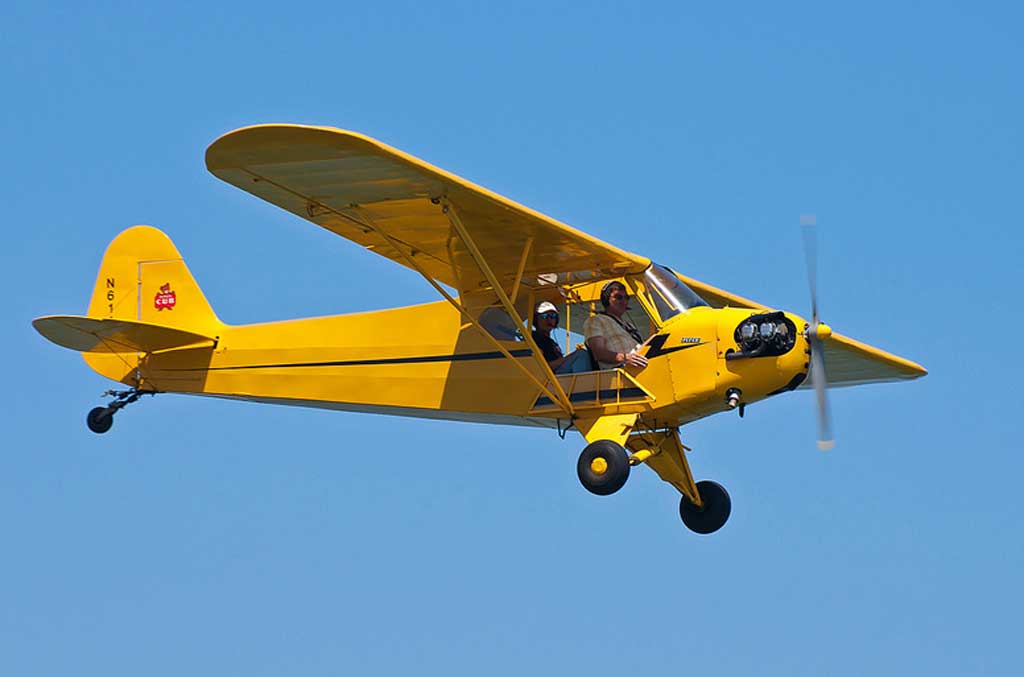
[{"x": 635, "y": 360}]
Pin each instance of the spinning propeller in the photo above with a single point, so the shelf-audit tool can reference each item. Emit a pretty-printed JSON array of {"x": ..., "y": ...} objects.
[{"x": 817, "y": 333}]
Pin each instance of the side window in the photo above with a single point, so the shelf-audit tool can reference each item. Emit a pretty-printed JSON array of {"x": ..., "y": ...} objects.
[
  {"x": 640, "y": 320},
  {"x": 498, "y": 324},
  {"x": 635, "y": 315},
  {"x": 578, "y": 314}
]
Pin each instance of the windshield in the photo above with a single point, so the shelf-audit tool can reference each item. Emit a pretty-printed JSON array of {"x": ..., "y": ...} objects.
[{"x": 670, "y": 295}]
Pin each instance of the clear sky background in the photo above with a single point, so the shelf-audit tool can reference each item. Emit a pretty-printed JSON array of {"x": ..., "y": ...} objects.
[{"x": 205, "y": 537}]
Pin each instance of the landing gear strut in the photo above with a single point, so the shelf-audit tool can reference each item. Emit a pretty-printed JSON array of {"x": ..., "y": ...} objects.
[
  {"x": 99, "y": 419},
  {"x": 704, "y": 506}
]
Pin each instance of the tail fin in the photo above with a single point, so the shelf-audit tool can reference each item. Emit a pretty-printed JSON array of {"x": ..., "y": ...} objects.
[
  {"x": 144, "y": 301},
  {"x": 143, "y": 279}
]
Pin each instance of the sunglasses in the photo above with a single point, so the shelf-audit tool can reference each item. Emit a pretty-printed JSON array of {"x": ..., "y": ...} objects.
[
  {"x": 548, "y": 316},
  {"x": 619, "y": 296}
]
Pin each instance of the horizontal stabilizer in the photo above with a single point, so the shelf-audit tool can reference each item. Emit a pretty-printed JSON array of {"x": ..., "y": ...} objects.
[{"x": 91, "y": 335}]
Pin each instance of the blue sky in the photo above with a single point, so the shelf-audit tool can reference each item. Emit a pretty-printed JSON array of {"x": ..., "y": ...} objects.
[{"x": 218, "y": 538}]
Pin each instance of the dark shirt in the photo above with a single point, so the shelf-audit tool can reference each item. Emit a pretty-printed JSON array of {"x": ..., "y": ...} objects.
[{"x": 547, "y": 346}]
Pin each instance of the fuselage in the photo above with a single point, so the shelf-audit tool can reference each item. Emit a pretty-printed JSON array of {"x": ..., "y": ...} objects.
[{"x": 427, "y": 361}]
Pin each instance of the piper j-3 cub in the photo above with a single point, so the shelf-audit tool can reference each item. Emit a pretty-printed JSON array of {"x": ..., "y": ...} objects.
[{"x": 469, "y": 356}]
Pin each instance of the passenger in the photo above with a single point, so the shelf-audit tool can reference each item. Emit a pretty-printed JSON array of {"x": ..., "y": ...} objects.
[
  {"x": 544, "y": 320},
  {"x": 612, "y": 339}
]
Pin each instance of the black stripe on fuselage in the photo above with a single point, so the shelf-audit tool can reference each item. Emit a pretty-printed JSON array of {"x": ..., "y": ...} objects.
[{"x": 461, "y": 357}]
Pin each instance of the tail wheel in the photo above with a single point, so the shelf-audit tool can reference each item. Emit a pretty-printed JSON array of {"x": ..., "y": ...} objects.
[
  {"x": 603, "y": 467},
  {"x": 99, "y": 420},
  {"x": 713, "y": 515}
]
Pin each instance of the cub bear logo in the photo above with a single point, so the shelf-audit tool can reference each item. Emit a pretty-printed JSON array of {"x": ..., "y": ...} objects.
[{"x": 165, "y": 298}]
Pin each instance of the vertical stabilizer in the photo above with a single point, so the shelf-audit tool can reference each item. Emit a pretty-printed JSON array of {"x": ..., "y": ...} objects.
[{"x": 144, "y": 279}]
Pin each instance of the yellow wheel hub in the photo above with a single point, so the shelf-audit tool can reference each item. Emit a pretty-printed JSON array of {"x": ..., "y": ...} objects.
[{"x": 599, "y": 466}]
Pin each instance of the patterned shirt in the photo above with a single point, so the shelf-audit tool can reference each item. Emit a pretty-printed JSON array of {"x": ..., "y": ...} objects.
[{"x": 616, "y": 337}]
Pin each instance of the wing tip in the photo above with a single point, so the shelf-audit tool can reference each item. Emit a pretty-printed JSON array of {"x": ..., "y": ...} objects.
[
  {"x": 218, "y": 152},
  {"x": 916, "y": 370}
]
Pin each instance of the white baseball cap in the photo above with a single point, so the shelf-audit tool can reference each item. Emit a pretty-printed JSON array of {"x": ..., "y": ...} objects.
[{"x": 546, "y": 307}]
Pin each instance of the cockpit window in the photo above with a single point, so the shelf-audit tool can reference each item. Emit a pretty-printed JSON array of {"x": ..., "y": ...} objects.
[
  {"x": 670, "y": 295},
  {"x": 500, "y": 325}
]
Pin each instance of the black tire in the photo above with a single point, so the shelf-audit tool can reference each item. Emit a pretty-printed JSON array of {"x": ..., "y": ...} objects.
[
  {"x": 99, "y": 420},
  {"x": 714, "y": 514},
  {"x": 616, "y": 467}
]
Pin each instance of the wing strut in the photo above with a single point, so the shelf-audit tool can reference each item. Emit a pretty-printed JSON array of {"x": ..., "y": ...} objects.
[
  {"x": 453, "y": 218},
  {"x": 567, "y": 407},
  {"x": 522, "y": 267}
]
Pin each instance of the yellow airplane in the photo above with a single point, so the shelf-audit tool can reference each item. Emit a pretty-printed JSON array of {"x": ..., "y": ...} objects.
[{"x": 469, "y": 356}]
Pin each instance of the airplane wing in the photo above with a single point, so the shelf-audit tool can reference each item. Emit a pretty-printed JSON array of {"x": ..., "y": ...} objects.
[
  {"x": 358, "y": 188},
  {"x": 849, "y": 363}
]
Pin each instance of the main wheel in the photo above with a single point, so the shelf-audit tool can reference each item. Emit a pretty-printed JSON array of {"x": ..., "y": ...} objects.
[
  {"x": 714, "y": 513},
  {"x": 603, "y": 467},
  {"x": 99, "y": 420}
]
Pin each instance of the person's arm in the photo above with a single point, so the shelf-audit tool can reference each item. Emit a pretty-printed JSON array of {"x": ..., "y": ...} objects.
[
  {"x": 603, "y": 354},
  {"x": 559, "y": 361}
]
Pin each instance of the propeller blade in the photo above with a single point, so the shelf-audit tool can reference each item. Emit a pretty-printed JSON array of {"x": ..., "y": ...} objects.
[
  {"x": 825, "y": 439},
  {"x": 815, "y": 333},
  {"x": 811, "y": 256}
]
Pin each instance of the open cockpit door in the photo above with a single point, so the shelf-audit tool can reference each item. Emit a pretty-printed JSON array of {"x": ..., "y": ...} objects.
[{"x": 609, "y": 391}]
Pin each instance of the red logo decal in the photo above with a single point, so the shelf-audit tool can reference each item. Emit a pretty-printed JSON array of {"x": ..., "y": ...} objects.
[{"x": 166, "y": 298}]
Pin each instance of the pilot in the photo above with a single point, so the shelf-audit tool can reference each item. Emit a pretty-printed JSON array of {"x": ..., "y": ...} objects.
[
  {"x": 613, "y": 340},
  {"x": 544, "y": 320}
]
